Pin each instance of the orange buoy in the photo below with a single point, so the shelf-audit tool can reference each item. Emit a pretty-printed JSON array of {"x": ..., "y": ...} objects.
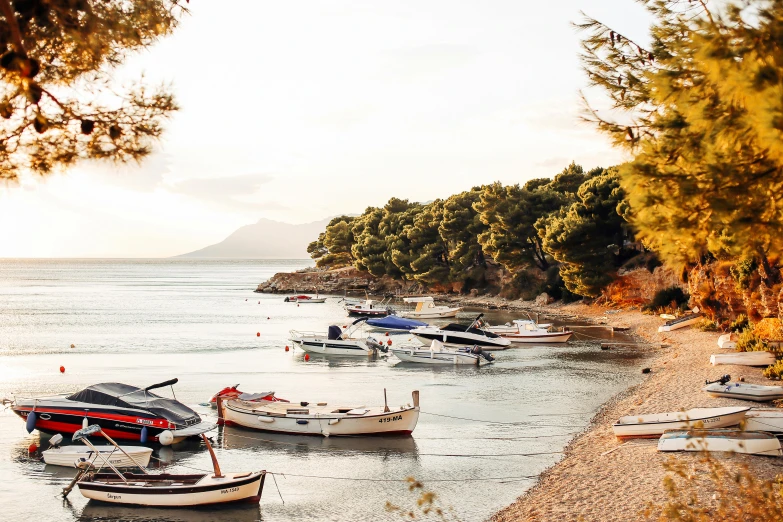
[
  {"x": 73, "y": 346},
  {"x": 297, "y": 305},
  {"x": 259, "y": 302},
  {"x": 32, "y": 448},
  {"x": 267, "y": 318},
  {"x": 307, "y": 357},
  {"x": 258, "y": 334},
  {"x": 62, "y": 369},
  {"x": 286, "y": 348},
  {"x": 245, "y": 299},
  {"x": 388, "y": 342},
  {"x": 387, "y": 334}
]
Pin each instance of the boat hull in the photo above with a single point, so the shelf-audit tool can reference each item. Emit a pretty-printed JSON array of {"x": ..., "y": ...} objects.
[
  {"x": 747, "y": 392},
  {"x": 728, "y": 341},
  {"x": 431, "y": 315},
  {"x": 333, "y": 347},
  {"x": 653, "y": 426},
  {"x": 753, "y": 443},
  {"x": 400, "y": 422},
  {"x": 68, "y": 455},
  {"x": 679, "y": 323},
  {"x": 207, "y": 491},
  {"x": 449, "y": 339},
  {"x": 441, "y": 358},
  {"x": 743, "y": 358},
  {"x": 759, "y": 419}
]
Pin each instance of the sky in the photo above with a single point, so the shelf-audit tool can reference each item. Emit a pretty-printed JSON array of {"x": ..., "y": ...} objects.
[{"x": 297, "y": 111}]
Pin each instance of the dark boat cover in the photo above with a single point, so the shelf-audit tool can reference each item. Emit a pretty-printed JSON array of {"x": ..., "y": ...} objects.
[
  {"x": 454, "y": 327},
  {"x": 126, "y": 396},
  {"x": 397, "y": 323},
  {"x": 334, "y": 333}
]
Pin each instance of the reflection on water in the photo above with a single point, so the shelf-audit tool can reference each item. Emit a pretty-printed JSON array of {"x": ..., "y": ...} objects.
[{"x": 100, "y": 511}]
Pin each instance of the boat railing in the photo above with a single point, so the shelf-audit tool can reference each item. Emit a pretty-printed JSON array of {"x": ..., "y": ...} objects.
[{"x": 305, "y": 333}]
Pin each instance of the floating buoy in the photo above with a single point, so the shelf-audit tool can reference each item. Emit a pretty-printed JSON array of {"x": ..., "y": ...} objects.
[
  {"x": 388, "y": 342},
  {"x": 245, "y": 299},
  {"x": 85, "y": 423},
  {"x": 62, "y": 369},
  {"x": 32, "y": 448},
  {"x": 297, "y": 305},
  {"x": 143, "y": 437},
  {"x": 307, "y": 357},
  {"x": 73, "y": 346},
  {"x": 258, "y": 334},
  {"x": 267, "y": 318},
  {"x": 30, "y": 422},
  {"x": 387, "y": 334},
  {"x": 259, "y": 302},
  {"x": 286, "y": 348}
]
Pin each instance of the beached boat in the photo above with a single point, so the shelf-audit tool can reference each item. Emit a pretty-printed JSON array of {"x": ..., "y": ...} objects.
[
  {"x": 527, "y": 331},
  {"x": 320, "y": 418},
  {"x": 123, "y": 411},
  {"x": 653, "y": 425},
  {"x": 368, "y": 308},
  {"x": 337, "y": 341},
  {"x": 764, "y": 419},
  {"x": 680, "y": 322},
  {"x": 728, "y": 341},
  {"x": 743, "y": 358},
  {"x": 395, "y": 323},
  {"x": 234, "y": 393},
  {"x": 426, "y": 309},
  {"x": 459, "y": 335},
  {"x": 753, "y": 443},
  {"x": 437, "y": 353},
  {"x": 747, "y": 392},
  {"x": 165, "y": 489}
]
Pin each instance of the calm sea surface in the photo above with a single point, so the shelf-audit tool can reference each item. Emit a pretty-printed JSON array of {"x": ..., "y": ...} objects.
[{"x": 145, "y": 321}]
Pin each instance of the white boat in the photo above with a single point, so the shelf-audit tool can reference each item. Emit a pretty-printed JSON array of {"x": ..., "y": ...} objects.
[
  {"x": 459, "y": 335},
  {"x": 735, "y": 441},
  {"x": 368, "y": 308},
  {"x": 426, "y": 309},
  {"x": 312, "y": 300},
  {"x": 513, "y": 326},
  {"x": 743, "y": 358},
  {"x": 304, "y": 299},
  {"x": 653, "y": 425},
  {"x": 321, "y": 418},
  {"x": 743, "y": 391},
  {"x": 438, "y": 354},
  {"x": 728, "y": 341},
  {"x": 337, "y": 342},
  {"x": 527, "y": 331},
  {"x": 70, "y": 456},
  {"x": 164, "y": 489},
  {"x": 680, "y": 322},
  {"x": 764, "y": 419}
]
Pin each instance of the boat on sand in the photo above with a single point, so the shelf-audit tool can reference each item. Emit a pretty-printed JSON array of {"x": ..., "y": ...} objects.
[
  {"x": 680, "y": 322},
  {"x": 651, "y": 426},
  {"x": 744, "y": 391},
  {"x": 743, "y": 358},
  {"x": 735, "y": 441},
  {"x": 764, "y": 419},
  {"x": 728, "y": 341}
]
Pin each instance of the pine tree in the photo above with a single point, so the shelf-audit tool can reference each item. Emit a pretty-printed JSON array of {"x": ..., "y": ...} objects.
[{"x": 57, "y": 102}]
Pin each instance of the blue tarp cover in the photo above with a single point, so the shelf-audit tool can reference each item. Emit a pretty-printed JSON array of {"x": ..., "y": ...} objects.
[{"x": 395, "y": 322}]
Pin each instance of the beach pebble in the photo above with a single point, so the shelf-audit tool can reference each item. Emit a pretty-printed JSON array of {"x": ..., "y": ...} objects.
[
  {"x": 646, "y": 370},
  {"x": 742, "y": 378}
]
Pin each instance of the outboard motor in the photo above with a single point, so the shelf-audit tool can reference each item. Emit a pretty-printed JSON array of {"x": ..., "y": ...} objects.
[
  {"x": 723, "y": 380},
  {"x": 375, "y": 345},
  {"x": 476, "y": 350},
  {"x": 55, "y": 441}
]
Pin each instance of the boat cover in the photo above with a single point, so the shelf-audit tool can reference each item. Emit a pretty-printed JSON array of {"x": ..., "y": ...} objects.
[
  {"x": 334, "y": 332},
  {"x": 126, "y": 396},
  {"x": 395, "y": 322}
]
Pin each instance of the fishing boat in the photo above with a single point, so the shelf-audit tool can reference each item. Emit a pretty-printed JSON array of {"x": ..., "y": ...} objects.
[
  {"x": 653, "y": 425},
  {"x": 321, "y": 418},
  {"x": 764, "y": 419},
  {"x": 460, "y": 335},
  {"x": 728, "y": 341},
  {"x": 164, "y": 489},
  {"x": 234, "y": 393},
  {"x": 680, "y": 322},
  {"x": 123, "y": 411},
  {"x": 395, "y": 323},
  {"x": 73, "y": 456},
  {"x": 426, "y": 309},
  {"x": 439, "y": 354},
  {"x": 512, "y": 327},
  {"x": 527, "y": 331},
  {"x": 735, "y": 441},
  {"x": 743, "y": 358},
  {"x": 740, "y": 390},
  {"x": 368, "y": 308},
  {"x": 337, "y": 341}
]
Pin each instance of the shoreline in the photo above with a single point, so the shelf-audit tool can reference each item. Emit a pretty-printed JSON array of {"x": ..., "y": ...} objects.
[{"x": 593, "y": 481}]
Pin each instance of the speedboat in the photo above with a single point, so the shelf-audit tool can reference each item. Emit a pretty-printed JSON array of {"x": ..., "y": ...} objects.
[
  {"x": 161, "y": 489},
  {"x": 461, "y": 335},
  {"x": 337, "y": 341},
  {"x": 654, "y": 425},
  {"x": 321, "y": 418},
  {"x": 122, "y": 411},
  {"x": 368, "y": 308},
  {"x": 438, "y": 354},
  {"x": 395, "y": 323},
  {"x": 304, "y": 299},
  {"x": 234, "y": 393},
  {"x": 426, "y": 309},
  {"x": 734, "y": 441},
  {"x": 528, "y": 331}
]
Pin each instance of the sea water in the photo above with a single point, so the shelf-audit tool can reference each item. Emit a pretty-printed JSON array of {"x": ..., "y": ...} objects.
[{"x": 483, "y": 436}]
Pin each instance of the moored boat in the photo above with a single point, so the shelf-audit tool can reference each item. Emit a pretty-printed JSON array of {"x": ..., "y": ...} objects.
[
  {"x": 460, "y": 335},
  {"x": 653, "y": 425},
  {"x": 368, "y": 308},
  {"x": 735, "y": 441},
  {"x": 320, "y": 418},
  {"x": 512, "y": 327},
  {"x": 395, "y": 323},
  {"x": 680, "y": 322},
  {"x": 426, "y": 309},
  {"x": 743, "y": 358},
  {"x": 436, "y": 353},
  {"x": 527, "y": 331},
  {"x": 234, "y": 393},
  {"x": 337, "y": 341},
  {"x": 70, "y": 456}
]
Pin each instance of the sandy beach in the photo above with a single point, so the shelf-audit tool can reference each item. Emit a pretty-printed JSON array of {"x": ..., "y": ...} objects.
[{"x": 591, "y": 484}]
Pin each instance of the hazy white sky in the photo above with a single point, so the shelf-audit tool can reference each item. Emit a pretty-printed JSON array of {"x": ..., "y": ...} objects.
[{"x": 297, "y": 111}]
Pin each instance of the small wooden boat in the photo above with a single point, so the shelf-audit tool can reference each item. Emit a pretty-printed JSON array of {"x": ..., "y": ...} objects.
[
  {"x": 72, "y": 456},
  {"x": 764, "y": 419},
  {"x": 728, "y": 341},
  {"x": 320, "y": 418},
  {"x": 528, "y": 331},
  {"x": 438, "y": 354},
  {"x": 743, "y": 358},
  {"x": 426, "y": 309},
  {"x": 653, "y": 425},
  {"x": 338, "y": 342},
  {"x": 735, "y": 441},
  {"x": 233, "y": 392},
  {"x": 743, "y": 391},
  {"x": 165, "y": 489},
  {"x": 512, "y": 327},
  {"x": 680, "y": 322}
]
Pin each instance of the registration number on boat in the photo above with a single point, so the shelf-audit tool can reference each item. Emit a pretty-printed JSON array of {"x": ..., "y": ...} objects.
[
  {"x": 390, "y": 419},
  {"x": 229, "y": 490}
]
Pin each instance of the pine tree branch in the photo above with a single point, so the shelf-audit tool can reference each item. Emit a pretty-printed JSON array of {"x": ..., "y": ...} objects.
[{"x": 13, "y": 25}]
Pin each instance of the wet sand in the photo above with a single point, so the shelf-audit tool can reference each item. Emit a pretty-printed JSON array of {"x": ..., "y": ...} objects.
[{"x": 591, "y": 484}]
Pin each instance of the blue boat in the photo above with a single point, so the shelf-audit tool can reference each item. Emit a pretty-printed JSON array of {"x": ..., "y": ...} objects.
[{"x": 393, "y": 322}]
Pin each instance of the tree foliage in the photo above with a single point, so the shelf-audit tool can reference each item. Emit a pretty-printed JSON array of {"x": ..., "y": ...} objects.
[
  {"x": 57, "y": 101},
  {"x": 701, "y": 111},
  {"x": 333, "y": 246}
]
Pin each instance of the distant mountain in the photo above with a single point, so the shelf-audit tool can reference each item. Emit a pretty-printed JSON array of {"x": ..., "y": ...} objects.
[{"x": 266, "y": 239}]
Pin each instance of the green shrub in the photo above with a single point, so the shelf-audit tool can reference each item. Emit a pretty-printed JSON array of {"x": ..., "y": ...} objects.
[
  {"x": 740, "y": 324},
  {"x": 774, "y": 371},
  {"x": 707, "y": 325},
  {"x": 743, "y": 272},
  {"x": 750, "y": 342},
  {"x": 672, "y": 297}
]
